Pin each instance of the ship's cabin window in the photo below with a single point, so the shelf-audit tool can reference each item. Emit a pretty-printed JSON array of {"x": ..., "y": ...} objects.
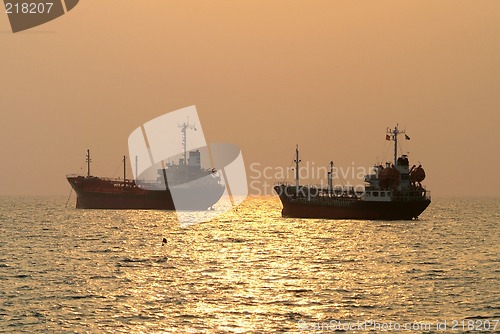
[
  {"x": 375, "y": 193},
  {"x": 382, "y": 194},
  {"x": 368, "y": 194}
]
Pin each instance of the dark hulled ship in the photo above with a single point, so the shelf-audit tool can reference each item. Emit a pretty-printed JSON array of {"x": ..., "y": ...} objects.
[{"x": 392, "y": 192}]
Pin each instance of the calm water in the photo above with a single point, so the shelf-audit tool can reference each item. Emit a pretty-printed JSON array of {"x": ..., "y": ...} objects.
[{"x": 68, "y": 270}]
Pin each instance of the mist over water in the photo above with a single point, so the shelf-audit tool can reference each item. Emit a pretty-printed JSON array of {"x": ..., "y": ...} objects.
[{"x": 63, "y": 269}]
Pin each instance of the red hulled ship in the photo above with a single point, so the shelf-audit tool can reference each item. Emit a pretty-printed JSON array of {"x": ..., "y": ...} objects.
[
  {"x": 111, "y": 193},
  {"x": 176, "y": 186},
  {"x": 393, "y": 192}
]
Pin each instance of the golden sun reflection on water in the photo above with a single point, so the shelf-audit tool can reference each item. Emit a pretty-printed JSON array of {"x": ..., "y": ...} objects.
[{"x": 247, "y": 270}]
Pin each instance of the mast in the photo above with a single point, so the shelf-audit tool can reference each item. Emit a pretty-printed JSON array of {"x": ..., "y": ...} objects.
[
  {"x": 297, "y": 170},
  {"x": 88, "y": 163},
  {"x": 136, "y": 169},
  {"x": 184, "y": 127},
  {"x": 330, "y": 179},
  {"x": 396, "y": 132},
  {"x": 124, "y": 168},
  {"x": 393, "y": 134}
]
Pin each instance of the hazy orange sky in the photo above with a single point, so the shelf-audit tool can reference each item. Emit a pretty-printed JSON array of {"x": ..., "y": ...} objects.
[{"x": 265, "y": 75}]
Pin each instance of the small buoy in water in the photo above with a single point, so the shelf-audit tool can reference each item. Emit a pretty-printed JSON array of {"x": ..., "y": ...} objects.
[{"x": 164, "y": 241}]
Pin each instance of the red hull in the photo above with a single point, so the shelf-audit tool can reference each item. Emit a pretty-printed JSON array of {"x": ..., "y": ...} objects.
[{"x": 98, "y": 193}]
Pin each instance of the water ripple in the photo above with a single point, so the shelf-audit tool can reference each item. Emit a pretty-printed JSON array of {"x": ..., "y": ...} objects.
[{"x": 65, "y": 270}]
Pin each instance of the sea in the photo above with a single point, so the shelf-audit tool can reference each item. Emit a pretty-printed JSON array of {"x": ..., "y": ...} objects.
[{"x": 67, "y": 270}]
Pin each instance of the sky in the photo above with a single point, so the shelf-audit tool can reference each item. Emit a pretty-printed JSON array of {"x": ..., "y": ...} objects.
[{"x": 330, "y": 76}]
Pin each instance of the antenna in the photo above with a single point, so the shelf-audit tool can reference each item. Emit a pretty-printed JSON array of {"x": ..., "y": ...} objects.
[
  {"x": 88, "y": 163},
  {"x": 184, "y": 127}
]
